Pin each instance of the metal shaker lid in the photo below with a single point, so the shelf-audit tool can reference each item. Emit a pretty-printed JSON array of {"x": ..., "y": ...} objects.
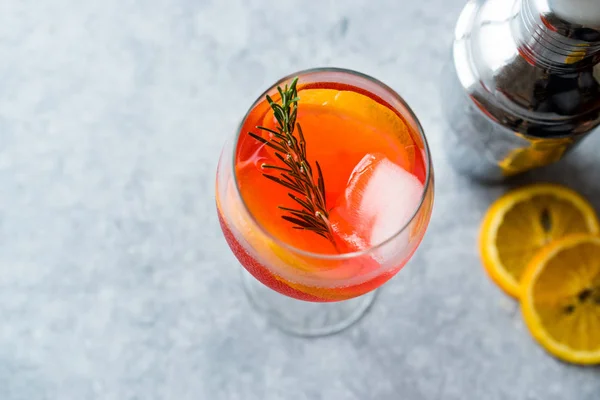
[
  {"x": 561, "y": 31},
  {"x": 529, "y": 68},
  {"x": 578, "y": 12}
]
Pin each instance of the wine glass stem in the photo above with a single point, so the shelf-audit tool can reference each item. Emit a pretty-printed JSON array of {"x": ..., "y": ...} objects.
[{"x": 303, "y": 318}]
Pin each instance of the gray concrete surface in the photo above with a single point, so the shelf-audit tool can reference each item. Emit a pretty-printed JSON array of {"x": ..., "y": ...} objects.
[{"x": 115, "y": 282}]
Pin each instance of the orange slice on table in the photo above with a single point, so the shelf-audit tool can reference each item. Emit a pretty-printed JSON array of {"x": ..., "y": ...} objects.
[
  {"x": 522, "y": 221},
  {"x": 560, "y": 298}
]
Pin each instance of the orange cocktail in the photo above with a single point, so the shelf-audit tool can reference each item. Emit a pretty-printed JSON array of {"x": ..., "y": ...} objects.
[{"x": 325, "y": 196}]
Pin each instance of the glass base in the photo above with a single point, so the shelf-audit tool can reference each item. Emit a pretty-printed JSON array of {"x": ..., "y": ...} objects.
[{"x": 303, "y": 318}]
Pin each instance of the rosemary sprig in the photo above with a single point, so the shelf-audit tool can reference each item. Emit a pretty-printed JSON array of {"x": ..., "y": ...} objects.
[{"x": 295, "y": 172}]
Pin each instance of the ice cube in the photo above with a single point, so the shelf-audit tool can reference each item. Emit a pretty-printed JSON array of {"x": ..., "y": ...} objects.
[{"x": 379, "y": 200}]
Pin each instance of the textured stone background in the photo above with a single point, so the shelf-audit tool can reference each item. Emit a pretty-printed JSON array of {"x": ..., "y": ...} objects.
[{"x": 115, "y": 282}]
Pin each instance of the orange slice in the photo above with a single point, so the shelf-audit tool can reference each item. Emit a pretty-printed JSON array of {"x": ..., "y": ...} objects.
[
  {"x": 561, "y": 298},
  {"x": 521, "y": 222},
  {"x": 364, "y": 108}
]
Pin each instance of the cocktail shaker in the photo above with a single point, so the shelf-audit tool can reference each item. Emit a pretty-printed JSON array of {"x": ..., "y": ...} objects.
[{"x": 523, "y": 85}]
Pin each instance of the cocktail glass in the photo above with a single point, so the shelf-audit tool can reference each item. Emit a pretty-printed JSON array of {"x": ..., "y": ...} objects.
[{"x": 378, "y": 188}]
